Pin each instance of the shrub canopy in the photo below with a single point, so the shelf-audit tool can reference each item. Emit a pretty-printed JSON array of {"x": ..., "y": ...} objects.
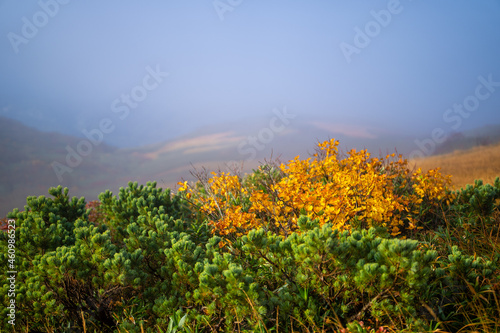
[{"x": 322, "y": 244}]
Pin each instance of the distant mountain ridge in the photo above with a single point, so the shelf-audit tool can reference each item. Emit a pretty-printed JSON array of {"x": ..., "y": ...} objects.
[
  {"x": 28, "y": 155},
  {"x": 482, "y": 136}
]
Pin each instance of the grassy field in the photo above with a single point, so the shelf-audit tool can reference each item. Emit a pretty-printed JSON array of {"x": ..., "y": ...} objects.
[{"x": 465, "y": 166}]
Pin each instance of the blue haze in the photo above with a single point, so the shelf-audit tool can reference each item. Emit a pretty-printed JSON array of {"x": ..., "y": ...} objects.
[{"x": 242, "y": 63}]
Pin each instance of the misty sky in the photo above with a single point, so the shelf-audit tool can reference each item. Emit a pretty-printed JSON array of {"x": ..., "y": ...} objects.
[{"x": 160, "y": 69}]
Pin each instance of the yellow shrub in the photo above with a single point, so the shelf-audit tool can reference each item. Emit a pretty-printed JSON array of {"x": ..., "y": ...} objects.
[{"x": 358, "y": 188}]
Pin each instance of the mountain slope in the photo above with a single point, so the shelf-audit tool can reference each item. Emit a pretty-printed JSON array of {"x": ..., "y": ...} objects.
[
  {"x": 29, "y": 155},
  {"x": 26, "y": 167},
  {"x": 482, "y": 136},
  {"x": 466, "y": 166}
]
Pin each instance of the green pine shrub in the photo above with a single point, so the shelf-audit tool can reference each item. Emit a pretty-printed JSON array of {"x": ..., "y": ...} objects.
[
  {"x": 139, "y": 258},
  {"x": 147, "y": 260}
]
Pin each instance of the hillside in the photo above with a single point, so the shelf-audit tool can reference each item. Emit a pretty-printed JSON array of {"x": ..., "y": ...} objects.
[
  {"x": 28, "y": 156},
  {"x": 483, "y": 136},
  {"x": 26, "y": 168},
  {"x": 480, "y": 162},
  {"x": 320, "y": 246},
  {"x": 26, "y": 165}
]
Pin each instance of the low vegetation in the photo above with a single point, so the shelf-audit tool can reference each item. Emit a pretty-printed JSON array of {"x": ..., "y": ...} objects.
[
  {"x": 466, "y": 165},
  {"x": 336, "y": 242}
]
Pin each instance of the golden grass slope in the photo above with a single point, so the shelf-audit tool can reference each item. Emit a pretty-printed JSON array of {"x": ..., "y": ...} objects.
[{"x": 465, "y": 166}]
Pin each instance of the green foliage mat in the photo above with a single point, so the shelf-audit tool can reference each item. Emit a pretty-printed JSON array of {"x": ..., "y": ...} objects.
[{"x": 146, "y": 260}]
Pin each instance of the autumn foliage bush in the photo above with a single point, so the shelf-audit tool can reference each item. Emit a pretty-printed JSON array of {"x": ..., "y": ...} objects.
[
  {"x": 357, "y": 190},
  {"x": 333, "y": 243}
]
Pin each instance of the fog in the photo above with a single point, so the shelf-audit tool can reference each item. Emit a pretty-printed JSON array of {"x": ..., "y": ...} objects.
[{"x": 157, "y": 70}]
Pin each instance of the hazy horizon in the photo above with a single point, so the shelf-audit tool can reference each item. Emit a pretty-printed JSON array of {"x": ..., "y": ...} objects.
[{"x": 153, "y": 72}]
